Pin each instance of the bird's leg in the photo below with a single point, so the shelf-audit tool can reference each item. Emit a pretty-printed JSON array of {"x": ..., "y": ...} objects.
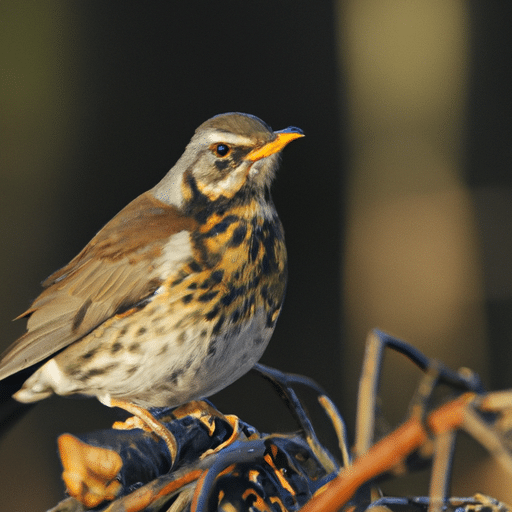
[
  {"x": 150, "y": 421},
  {"x": 205, "y": 412}
]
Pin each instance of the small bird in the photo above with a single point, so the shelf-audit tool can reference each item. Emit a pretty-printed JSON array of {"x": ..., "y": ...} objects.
[{"x": 178, "y": 295}]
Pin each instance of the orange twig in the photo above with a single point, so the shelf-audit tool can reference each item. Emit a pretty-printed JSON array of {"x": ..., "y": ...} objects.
[{"x": 386, "y": 454}]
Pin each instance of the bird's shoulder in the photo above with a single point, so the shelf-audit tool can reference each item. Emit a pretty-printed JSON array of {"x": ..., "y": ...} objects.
[{"x": 137, "y": 231}]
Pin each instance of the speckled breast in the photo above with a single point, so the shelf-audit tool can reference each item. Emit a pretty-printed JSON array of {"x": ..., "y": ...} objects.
[
  {"x": 239, "y": 267},
  {"x": 203, "y": 329},
  {"x": 234, "y": 288}
]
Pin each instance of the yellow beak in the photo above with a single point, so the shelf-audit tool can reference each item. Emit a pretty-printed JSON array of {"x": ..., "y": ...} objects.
[{"x": 283, "y": 137}]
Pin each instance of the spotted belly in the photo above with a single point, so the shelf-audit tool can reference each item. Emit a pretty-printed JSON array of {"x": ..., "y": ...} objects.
[
  {"x": 158, "y": 370},
  {"x": 208, "y": 323}
]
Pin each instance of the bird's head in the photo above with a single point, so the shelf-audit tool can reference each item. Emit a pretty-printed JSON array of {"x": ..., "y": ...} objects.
[{"x": 227, "y": 154}]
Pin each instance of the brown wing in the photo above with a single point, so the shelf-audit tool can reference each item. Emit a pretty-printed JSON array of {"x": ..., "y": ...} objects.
[{"x": 113, "y": 272}]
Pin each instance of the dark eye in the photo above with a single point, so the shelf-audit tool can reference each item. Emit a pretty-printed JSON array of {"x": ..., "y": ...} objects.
[{"x": 221, "y": 149}]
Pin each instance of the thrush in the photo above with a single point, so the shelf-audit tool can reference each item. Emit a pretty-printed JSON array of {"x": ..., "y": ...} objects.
[{"x": 178, "y": 295}]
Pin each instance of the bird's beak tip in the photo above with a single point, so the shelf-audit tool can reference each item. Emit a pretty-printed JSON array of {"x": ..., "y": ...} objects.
[
  {"x": 293, "y": 129},
  {"x": 281, "y": 139}
]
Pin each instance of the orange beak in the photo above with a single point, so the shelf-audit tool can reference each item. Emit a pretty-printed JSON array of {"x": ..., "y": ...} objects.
[{"x": 282, "y": 138}]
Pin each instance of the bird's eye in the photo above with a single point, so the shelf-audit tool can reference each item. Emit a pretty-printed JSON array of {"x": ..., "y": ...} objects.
[{"x": 221, "y": 149}]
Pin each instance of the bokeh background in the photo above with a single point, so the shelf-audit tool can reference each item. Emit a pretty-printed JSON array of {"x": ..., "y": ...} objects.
[{"x": 397, "y": 205}]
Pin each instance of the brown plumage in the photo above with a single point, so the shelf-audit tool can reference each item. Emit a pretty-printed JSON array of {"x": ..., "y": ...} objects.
[
  {"x": 111, "y": 273},
  {"x": 177, "y": 296}
]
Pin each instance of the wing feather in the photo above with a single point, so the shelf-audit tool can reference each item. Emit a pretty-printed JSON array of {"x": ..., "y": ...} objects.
[{"x": 113, "y": 272}]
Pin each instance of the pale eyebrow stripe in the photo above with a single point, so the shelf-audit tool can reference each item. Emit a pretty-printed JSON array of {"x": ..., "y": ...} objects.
[{"x": 228, "y": 138}]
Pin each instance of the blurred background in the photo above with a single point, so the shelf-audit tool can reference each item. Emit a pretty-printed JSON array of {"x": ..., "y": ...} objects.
[{"x": 397, "y": 205}]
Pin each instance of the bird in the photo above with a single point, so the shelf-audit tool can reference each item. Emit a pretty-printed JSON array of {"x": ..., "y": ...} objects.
[{"x": 178, "y": 295}]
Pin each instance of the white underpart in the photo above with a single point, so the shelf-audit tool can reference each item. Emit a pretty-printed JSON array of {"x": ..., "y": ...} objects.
[
  {"x": 105, "y": 400},
  {"x": 41, "y": 383},
  {"x": 236, "y": 355},
  {"x": 53, "y": 374},
  {"x": 176, "y": 252},
  {"x": 230, "y": 184}
]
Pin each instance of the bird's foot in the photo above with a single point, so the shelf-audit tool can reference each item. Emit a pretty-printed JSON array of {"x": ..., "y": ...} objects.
[
  {"x": 206, "y": 413},
  {"x": 131, "y": 423},
  {"x": 151, "y": 423}
]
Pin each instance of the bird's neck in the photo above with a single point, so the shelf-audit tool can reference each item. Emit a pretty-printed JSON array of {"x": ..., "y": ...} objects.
[{"x": 247, "y": 203}]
